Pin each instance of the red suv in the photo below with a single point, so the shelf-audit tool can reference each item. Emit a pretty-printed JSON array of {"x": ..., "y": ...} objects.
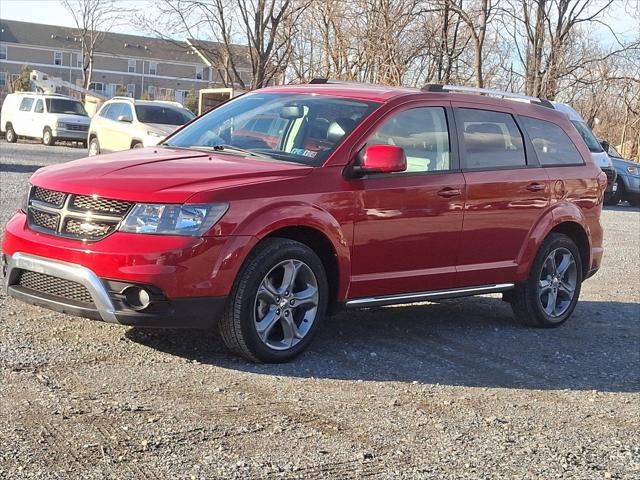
[{"x": 359, "y": 196}]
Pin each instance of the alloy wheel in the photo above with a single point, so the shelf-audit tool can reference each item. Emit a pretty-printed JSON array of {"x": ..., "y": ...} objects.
[
  {"x": 558, "y": 282},
  {"x": 286, "y": 304}
]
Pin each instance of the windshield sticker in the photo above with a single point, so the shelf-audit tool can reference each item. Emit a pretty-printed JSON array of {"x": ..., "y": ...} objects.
[{"x": 302, "y": 151}]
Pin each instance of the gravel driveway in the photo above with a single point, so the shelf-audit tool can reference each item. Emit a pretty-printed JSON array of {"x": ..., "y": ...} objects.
[{"x": 452, "y": 389}]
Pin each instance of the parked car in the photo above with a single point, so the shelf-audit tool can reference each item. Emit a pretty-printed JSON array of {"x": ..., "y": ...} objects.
[
  {"x": 123, "y": 123},
  {"x": 628, "y": 179},
  {"x": 597, "y": 152},
  {"x": 48, "y": 117},
  {"x": 411, "y": 196}
]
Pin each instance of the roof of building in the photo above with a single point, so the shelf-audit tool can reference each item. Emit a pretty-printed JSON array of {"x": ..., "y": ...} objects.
[{"x": 118, "y": 44}]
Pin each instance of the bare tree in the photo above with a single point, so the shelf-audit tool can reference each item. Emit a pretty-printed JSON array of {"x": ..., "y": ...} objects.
[{"x": 92, "y": 19}]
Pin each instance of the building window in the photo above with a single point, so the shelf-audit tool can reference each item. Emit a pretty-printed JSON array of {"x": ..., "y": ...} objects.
[
  {"x": 97, "y": 87},
  {"x": 199, "y": 72},
  {"x": 153, "y": 68},
  {"x": 57, "y": 58},
  {"x": 131, "y": 67},
  {"x": 3, "y": 52},
  {"x": 3, "y": 79},
  {"x": 79, "y": 63},
  {"x": 151, "y": 91},
  {"x": 131, "y": 90}
]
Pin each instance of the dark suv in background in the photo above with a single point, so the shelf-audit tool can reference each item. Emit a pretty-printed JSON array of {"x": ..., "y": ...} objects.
[{"x": 359, "y": 196}]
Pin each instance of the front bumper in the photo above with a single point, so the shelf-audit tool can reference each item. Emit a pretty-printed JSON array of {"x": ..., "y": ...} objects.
[
  {"x": 107, "y": 303},
  {"x": 64, "y": 134},
  {"x": 611, "y": 178}
]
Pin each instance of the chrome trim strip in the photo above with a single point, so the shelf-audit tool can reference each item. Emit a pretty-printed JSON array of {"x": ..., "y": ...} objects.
[
  {"x": 425, "y": 296},
  {"x": 67, "y": 271}
]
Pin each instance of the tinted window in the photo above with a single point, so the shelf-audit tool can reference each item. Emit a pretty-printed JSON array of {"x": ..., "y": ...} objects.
[
  {"x": 491, "y": 139},
  {"x": 422, "y": 133},
  {"x": 587, "y": 135},
  {"x": 25, "y": 105},
  {"x": 552, "y": 145},
  {"x": 162, "y": 114},
  {"x": 39, "y": 107},
  {"x": 64, "y": 105}
]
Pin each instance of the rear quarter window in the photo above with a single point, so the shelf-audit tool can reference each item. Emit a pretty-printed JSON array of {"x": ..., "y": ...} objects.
[
  {"x": 552, "y": 145},
  {"x": 25, "y": 105}
]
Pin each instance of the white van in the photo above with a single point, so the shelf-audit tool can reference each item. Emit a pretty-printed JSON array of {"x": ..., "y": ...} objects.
[
  {"x": 49, "y": 117},
  {"x": 597, "y": 152}
]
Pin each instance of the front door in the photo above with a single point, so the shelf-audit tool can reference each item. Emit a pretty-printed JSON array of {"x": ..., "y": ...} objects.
[
  {"x": 408, "y": 224},
  {"x": 507, "y": 193}
]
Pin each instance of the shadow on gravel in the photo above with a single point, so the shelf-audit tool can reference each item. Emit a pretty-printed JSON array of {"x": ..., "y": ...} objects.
[
  {"x": 471, "y": 342},
  {"x": 625, "y": 207},
  {"x": 18, "y": 168}
]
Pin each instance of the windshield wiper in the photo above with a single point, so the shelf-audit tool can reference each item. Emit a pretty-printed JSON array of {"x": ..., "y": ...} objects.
[{"x": 224, "y": 148}]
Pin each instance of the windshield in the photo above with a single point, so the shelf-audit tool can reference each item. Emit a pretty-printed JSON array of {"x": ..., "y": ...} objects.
[
  {"x": 64, "y": 105},
  {"x": 588, "y": 136},
  {"x": 301, "y": 128},
  {"x": 614, "y": 153},
  {"x": 163, "y": 114}
]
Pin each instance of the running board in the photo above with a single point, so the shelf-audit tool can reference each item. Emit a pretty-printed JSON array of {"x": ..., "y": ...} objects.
[{"x": 426, "y": 296}]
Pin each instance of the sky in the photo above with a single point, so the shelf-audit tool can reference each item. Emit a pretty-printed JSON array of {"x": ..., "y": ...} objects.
[{"x": 51, "y": 12}]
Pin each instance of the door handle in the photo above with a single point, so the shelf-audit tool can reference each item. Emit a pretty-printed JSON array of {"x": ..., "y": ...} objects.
[
  {"x": 536, "y": 187},
  {"x": 449, "y": 192}
]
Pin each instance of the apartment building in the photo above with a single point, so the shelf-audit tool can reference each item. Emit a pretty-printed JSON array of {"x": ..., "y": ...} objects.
[{"x": 131, "y": 65}]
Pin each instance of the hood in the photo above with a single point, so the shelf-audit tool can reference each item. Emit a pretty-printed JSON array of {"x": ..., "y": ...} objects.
[
  {"x": 162, "y": 128},
  {"x": 67, "y": 118},
  {"x": 161, "y": 174},
  {"x": 602, "y": 159}
]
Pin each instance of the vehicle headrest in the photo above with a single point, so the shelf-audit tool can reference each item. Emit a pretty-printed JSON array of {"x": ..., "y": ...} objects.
[{"x": 338, "y": 128}]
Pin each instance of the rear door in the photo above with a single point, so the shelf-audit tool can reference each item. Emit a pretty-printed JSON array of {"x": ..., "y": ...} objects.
[
  {"x": 38, "y": 119},
  {"x": 507, "y": 192},
  {"x": 408, "y": 224}
]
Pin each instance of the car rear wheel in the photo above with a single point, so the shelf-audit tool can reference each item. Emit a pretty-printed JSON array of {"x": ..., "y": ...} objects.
[
  {"x": 550, "y": 294},
  {"x": 137, "y": 145},
  {"x": 47, "y": 137},
  {"x": 277, "y": 303},
  {"x": 94, "y": 147},
  {"x": 10, "y": 134}
]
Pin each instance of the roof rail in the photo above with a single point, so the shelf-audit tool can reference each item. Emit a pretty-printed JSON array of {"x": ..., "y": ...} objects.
[
  {"x": 431, "y": 87},
  {"x": 324, "y": 81},
  {"x": 121, "y": 97}
]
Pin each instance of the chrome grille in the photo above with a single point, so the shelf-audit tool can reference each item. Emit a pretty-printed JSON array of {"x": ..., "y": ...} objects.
[
  {"x": 81, "y": 217},
  {"x": 47, "y": 196},
  {"x": 77, "y": 127},
  {"x": 57, "y": 287},
  {"x": 44, "y": 220},
  {"x": 99, "y": 204}
]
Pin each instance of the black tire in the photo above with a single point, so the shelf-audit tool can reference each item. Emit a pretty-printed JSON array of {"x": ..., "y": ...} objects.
[
  {"x": 611, "y": 199},
  {"x": 94, "y": 147},
  {"x": 238, "y": 324},
  {"x": 47, "y": 137},
  {"x": 10, "y": 134},
  {"x": 83, "y": 143},
  {"x": 526, "y": 299},
  {"x": 137, "y": 145},
  {"x": 634, "y": 201}
]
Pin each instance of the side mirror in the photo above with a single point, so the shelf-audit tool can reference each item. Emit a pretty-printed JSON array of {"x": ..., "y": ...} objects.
[
  {"x": 124, "y": 118},
  {"x": 383, "y": 159}
]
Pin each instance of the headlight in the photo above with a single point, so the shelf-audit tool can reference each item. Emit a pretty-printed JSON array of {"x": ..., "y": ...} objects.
[
  {"x": 171, "y": 219},
  {"x": 151, "y": 133},
  {"x": 57, "y": 124},
  {"x": 632, "y": 170}
]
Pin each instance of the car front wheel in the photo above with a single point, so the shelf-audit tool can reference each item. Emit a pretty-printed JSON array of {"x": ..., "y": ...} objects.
[
  {"x": 277, "y": 302},
  {"x": 550, "y": 294},
  {"x": 47, "y": 137},
  {"x": 94, "y": 147}
]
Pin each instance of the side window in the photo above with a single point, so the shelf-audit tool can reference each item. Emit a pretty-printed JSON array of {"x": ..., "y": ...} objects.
[
  {"x": 104, "y": 111},
  {"x": 115, "y": 111},
  {"x": 422, "y": 133},
  {"x": 490, "y": 139},
  {"x": 552, "y": 145},
  {"x": 125, "y": 109},
  {"x": 39, "y": 106},
  {"x": 25, "y": 104}
]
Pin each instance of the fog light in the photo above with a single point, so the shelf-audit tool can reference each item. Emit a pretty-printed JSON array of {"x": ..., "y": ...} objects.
[{"x": 137, "y": 298}]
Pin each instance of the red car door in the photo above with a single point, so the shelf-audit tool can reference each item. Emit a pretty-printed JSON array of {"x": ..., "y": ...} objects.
[
  {"x": 408, "y": 224},
  {"x": 507, "y": 192}
]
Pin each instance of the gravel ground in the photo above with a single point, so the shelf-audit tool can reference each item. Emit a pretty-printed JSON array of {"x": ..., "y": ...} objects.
[{"x": 452, "y": 389}]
